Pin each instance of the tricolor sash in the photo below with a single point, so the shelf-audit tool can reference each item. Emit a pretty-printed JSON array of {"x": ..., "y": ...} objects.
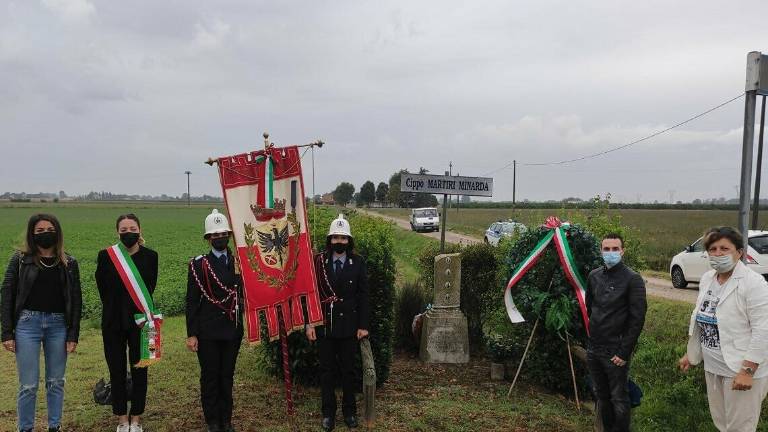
[
  {"x": 567, "y": 262},
  {"x": 150, "y": 318}
]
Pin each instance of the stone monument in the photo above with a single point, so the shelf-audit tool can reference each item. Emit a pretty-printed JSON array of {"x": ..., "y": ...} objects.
[{"x": 444, "y": 335}]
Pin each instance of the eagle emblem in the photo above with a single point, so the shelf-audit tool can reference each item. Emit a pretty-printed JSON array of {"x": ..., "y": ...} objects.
[{"x": 274, "y": 243}]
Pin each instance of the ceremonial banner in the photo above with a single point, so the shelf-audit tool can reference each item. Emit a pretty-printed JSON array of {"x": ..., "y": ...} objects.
[{"x": 264, "y": 195}]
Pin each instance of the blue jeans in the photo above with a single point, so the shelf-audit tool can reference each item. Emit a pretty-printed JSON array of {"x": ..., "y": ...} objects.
[{"x": 32, "y": 329}]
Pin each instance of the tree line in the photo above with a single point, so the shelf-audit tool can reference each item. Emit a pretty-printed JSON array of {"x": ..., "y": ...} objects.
[{"x": 385, "y": 194}]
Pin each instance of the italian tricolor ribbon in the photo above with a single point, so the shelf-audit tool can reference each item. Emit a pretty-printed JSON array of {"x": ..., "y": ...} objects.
[
  {"x": 151, "y": 341},
  {"x": 568, "y": 263}
]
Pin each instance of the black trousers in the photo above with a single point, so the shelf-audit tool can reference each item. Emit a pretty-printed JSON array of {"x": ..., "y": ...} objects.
[
  {"x": 610, "y": 385},
  {"x": 337, "y": 354},
  {"x": 217, "y": 372},
  {"x": 115, "y": 342}
]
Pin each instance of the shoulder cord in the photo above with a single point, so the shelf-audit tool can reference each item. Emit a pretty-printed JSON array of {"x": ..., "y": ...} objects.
[
  {"x": 207, "y": 291},
  {"x": 326, "y": 290}
]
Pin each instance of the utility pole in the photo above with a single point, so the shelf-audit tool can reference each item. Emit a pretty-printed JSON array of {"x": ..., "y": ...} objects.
[
  {"x": 514, "y": 184},
  {"x": 758, "y": 168},
  {"x": 450, "y": 173},
  {"x": 751, "y": 87},
  {"x": 189, "y": 197}
]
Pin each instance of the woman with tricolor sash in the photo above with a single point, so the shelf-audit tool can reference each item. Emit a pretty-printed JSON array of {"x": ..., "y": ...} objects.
[
  {"x": 126, "y": 275},
  {"x": 41, "y": 306}
]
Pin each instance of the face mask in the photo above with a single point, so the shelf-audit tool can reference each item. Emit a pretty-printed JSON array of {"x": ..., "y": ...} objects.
[
  {"x": 220, "y": 244},
  {"x": 339, "y": 247},
  {"x": 129, "y": 238},
  {"x": 611, "y": 258},
  {"x": 722, "y": 264},
  {"x": 45, "y": 239}
]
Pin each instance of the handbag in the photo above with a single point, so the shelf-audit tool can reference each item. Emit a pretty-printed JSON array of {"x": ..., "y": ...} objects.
[{"x": 102, "y": 391}]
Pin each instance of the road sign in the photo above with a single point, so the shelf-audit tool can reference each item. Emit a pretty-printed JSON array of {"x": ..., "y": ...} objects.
[{"x": 447, "y": 185}]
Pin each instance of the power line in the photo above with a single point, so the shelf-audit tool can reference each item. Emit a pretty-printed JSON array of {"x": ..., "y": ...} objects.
[{"x": 604, "y": 152}]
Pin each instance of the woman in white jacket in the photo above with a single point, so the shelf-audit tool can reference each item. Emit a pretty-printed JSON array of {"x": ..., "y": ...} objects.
[{"x": 728, "y": 331}]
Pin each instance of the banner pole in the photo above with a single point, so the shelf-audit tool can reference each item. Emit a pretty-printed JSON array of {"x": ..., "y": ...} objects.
[{"x": 287, "y": 374}]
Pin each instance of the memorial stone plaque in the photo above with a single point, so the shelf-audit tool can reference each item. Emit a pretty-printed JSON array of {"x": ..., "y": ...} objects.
[{"x": 444, "y": 336}]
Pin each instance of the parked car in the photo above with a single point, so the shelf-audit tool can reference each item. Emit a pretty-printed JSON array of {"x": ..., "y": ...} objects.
[
  {"x": 425, "y": 219},
  {"x": 500, "y": 229},
  {"x": 691, "y": 263}
]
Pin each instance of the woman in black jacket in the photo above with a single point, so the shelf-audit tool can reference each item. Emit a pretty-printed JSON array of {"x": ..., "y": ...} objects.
[
  {"x": 118, "y": 326},
  {"x": 41, "y": 303}
]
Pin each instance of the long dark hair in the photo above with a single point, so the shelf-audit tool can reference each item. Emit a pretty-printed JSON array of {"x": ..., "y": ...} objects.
[
  {"x": 133, "y": 217},
  {"x": 30, "y": 248}
]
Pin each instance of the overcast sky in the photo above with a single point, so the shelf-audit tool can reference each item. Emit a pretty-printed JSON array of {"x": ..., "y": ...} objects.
[{"x": 125, "y": 96}]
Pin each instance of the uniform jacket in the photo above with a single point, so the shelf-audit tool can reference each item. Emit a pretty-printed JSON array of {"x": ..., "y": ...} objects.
[
  {"x": 204, "y": 319},
  {"x": 19, "y": 278},
  {"x": 742, "y": 320},
  {"x": 351, "y": 311}
]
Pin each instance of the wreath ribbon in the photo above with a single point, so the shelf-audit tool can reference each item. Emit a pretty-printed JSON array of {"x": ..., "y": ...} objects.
[{"x": 567, "y": 261}]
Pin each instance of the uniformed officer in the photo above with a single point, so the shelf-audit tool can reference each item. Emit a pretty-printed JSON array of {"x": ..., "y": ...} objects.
[
  {"x": 214, "y": 322},
  {"x": 343, "y": 285}
]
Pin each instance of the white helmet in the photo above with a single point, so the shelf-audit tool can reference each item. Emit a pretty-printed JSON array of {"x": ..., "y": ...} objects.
[
  {"x": 340, "y": 226},
  {"x": 216, "y": 223}
]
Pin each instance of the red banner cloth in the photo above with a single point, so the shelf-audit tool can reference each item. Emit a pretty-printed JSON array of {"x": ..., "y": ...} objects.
[{"x": 264, "y": 195}]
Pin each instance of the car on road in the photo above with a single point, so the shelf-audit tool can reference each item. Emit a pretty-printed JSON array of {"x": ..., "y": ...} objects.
[
  {"x": 425, "y": 219},
  {"x": 690, "y": 264},
  {"x": 502, "y": 229}
]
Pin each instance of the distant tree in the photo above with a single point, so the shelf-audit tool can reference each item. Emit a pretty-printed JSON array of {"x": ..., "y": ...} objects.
[
  {"x": 393, "y": 195},
  {"x": 343, "y": 193},
  {"x": 367, "y": 193},
  {"x": 382, "y": 190}
]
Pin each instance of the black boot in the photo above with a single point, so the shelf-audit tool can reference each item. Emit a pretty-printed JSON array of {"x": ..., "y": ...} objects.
[
  {"x": 228, "y": 428},
  {"x": 328, "y": 423},
  {"x": 351, "y": 421},
  {"x": 214, "y": 427}
]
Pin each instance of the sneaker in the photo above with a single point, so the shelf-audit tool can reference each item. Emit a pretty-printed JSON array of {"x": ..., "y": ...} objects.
[
  {"x": 136, "y": 428},
  {"x": 124, "y": 427}
]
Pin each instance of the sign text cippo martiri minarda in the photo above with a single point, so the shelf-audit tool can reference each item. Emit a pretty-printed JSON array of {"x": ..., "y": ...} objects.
[{"x": 451, "y": 185}]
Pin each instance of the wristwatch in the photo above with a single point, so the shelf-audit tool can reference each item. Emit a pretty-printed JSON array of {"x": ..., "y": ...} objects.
[{"x": 748, "y": 370}]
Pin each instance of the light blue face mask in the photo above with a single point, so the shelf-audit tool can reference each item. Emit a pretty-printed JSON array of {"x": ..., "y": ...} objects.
[{"x": 611, "y": 258}]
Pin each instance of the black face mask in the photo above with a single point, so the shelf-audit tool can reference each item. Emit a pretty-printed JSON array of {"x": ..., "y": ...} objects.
[
  {"x": 45, "y": 239},
  {"x": 129, "y": 238},
  {"x": 220, "y": 244},
  {"x": 339, "y": 247}
]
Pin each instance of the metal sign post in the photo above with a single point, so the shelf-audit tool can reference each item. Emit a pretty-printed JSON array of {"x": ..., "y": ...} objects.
[{"x": 756, "y": 82}]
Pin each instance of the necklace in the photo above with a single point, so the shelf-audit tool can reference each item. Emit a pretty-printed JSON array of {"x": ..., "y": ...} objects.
[{"x": 55, "y": 262}]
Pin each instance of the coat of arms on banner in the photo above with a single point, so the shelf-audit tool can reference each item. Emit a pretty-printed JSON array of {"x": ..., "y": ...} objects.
[
  {"x": 270, "y": 239},
  {"x": 264, "y": 195}
]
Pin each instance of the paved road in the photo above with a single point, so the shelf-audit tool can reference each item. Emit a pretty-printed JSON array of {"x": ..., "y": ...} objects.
[
  {"x": 450, "y": 237},
  {"x": 658, "y": 287},
  {"x": 654, "y": 286}
]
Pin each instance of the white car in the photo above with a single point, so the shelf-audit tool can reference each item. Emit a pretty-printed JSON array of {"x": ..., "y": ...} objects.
[
  {"x": 500, "y": 229},
  {"x": 690, "y": 264},
  {"x": 425, "y": 219}
]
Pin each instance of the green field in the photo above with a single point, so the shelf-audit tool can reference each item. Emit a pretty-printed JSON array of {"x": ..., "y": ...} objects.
[{"x": 663, "y": 233}]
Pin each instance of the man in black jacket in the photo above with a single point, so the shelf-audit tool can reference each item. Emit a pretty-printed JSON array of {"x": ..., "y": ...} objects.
[
  {"x": 343, "y": 283},
  {"x": 616, "y": 306},
  {"x": 214, "y": 322}
]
